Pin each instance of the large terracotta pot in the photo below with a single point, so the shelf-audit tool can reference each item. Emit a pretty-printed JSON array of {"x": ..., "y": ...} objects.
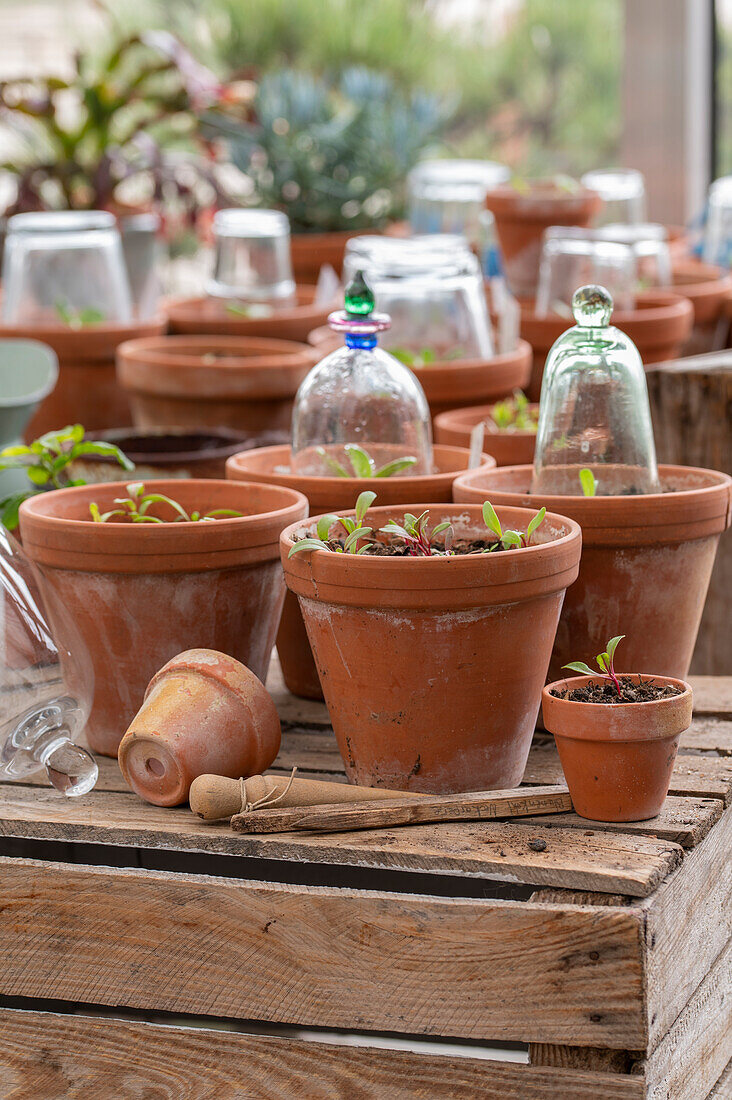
[
  {"x": 210, "y": 317},
  {"x": 311, "y": 251},
  {"x": 659, "y": 326},
  {"x": 708, "y": 288},
  {"x": 213, "y": 381},
  {"x": 617, "y": 758},
  {"x": 86, "y": 391},
  {"x": 432, "y": 668},
  {"x": 338, "y": 494},
  {"x": 509, "y": 448},
  {"x": 138, "y": 594},
  {"x": 646, "y": 563},
  {"x": 161, "y": 452},
  {"x": 522, "y": 217}
]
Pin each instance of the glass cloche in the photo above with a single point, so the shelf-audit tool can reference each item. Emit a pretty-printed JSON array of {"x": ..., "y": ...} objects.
[
  {"x": 360, "y": 399},
  {"x": 594, "y": 412}
]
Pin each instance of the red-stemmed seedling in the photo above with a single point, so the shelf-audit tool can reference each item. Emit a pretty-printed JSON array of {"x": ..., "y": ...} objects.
[
  {"x": 355, "y": 530},
  {"x": 507, "y": 539},
  {"x": 418, "y": 539},
  {"x": 605, "y": 663}
]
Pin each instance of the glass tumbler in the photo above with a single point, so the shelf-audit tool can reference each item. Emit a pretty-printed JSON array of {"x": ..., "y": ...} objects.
[
  {"x": 623, "y": 194},
  {"x": 573, "y": 257},
  {"x": 717, "y": 244},
  {"x": 252, "y": 257},
  {"x": 447, "y": 196}
]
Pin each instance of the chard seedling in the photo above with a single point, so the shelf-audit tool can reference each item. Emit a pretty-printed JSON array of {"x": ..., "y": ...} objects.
[
  {"x": 363, "y": 464},
  {"x": 588, "y": 481},
  {"x": 136, "y": 508},
  {"x": 507, "y": 539},
  {"x": 77, "y": 318},
  {"x": 425, "y": 356},
  {"x": 46, "y": 461},
  {"x": 354, "y": 528},
  {"x": 418, "y": 539},
  {"x": 605, "y": 662},
  {"x": 515, "y": 413},
  {"x": 252, "y": 310}
]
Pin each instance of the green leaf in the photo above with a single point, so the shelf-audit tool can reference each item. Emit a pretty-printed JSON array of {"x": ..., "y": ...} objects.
[
  {"x": 19, "y": 450},
  {"x": 362, "y": 462},
  {"x": 612, "y": 645},
  {"x": 394, "y": 528},
  {"x": 395, "y": 467},
  {"x": 441, "y": 527},
  {"x": 580, "y": 666},
  {"x": 103, "y": 449},
  {"x": 534, "y": 523},
  {"x": 332, "y": 463},
  {"x": 38, "y": 475},
  {"x": 511, "y": 538},
  {"x": 491, "y": 520},
  {"x": 305, "y": 545},
  {"x": 324, "y": 525},
  {"x": 354, "y": 537},
  {"x": 364, "y": 502},
  {"x": 349, "y": 523},
  {"x": 603, "y": 661},
  {"x": 10, "y": 506},
  {"x": 220, "y": 513},
  {"x": 588, "y": 482}
]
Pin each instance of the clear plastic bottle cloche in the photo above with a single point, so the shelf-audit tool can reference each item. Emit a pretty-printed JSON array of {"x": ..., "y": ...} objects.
[
  {"x": 594, "y": 412},
  {"x": 360, "y": 399}
]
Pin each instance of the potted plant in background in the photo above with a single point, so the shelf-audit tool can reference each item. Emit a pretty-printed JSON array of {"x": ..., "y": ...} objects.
[
  {"x": 163, "y": 453},
  {"x": 509, "y": 432}
]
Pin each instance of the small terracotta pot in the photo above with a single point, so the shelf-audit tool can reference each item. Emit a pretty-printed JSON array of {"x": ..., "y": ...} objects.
[
  {"x": 646, "y": 562},
  {"x": 210, "y": 317},
  {"x": 213, "y": 381},
  {"x": 521, "y": 220},
  {"x": 311, "y": 251},
  {"x": 338, "y": 494},
  {"x": 86, "y": 391},
  {"x": 708, "y": 288},
  {"x": 617, "y": 757},
  {"x": 161, "y": 452},
  {"x": 140, "y": 593},
  {"x": 512, "y": 448},
  {"x": 204, "y": 714},
  {"x": 432, "y": 668},
  {"x": 659, "y": 326}
]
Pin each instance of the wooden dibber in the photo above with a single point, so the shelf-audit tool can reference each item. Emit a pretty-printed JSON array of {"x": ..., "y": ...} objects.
[
  {"x": 213, "y": 797},
  {"x": 405, "y": 809}
]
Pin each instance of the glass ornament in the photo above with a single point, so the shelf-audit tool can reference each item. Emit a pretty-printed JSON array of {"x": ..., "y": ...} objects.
[
  {"x": 360, "y": 398},
  {"x": 594, "y": 412}
]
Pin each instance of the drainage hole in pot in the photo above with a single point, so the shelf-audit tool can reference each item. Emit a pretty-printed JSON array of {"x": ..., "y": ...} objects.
[{"x": 154, "y": 766}]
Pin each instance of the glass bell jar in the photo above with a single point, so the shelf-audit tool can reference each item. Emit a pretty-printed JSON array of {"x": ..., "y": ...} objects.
[
  {"x": 594, "y": 412},
  {"x": 45, "y": 690},
  {"x": 432, "y": 288},
  {"x": 360, "y": 411},
  {"x": 252, "y": 260}
]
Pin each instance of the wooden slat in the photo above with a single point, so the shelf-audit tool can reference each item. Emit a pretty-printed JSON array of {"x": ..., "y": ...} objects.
[
  {"x": 46, "y": 1055},
  {"x": 326, "y": 958},
  {"x": 507, "y": 851},
  {"x": 683, "y": 820},
  {"x": 710, "y": 735},
  {"x": 723, "y": 1088},
  {"x": 712, "y": 695}
]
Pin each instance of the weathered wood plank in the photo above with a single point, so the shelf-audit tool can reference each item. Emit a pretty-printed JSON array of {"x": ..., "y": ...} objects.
[
  {"x": 508, "y": 851},
  {"x": 585, "y": 1058},
  {"x": 712, "y": 695},
  {"x": 683, "y": 820},
  {"x": 711, "y": 735},
  {"x": 290, "y": 708},
  {"x": 723, "y": 1088},
  {"x": 63, "y": 1057},
  {"x": 331, "y": 958}
]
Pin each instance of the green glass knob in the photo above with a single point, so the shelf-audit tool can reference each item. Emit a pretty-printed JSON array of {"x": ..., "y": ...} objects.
[
  {"x": 359, "y": 299},
  {"x": 592, "y": 306}
]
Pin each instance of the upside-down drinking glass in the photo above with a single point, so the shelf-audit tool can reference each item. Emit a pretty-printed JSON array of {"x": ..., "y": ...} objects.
[
  {"x": 623, "y": 194},
  {"x": 252, "y": 257},
  {"x": 717, "y": 245},
  {"x": 572, "y": 257},
  {"x": 447, "y": 196}
]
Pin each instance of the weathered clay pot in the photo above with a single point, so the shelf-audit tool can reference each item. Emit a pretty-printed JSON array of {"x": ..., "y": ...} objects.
[
  {"x": 161, "y": 452},
  {"x": 311, "y": 251},
  {"x": 213, "y": 381},
  {"x": 141, "y": 593},
  {"x": 338, "y": 494},
  {"x": 210, "y": 317},
  {"x": 521, "y": 219},
  {"x": 432, "y": 668},
  {"x": 617, "y": 757},
  {"x": 86, "y": 391},
  {"x": 708, "y": 288},
  {"x": 204, "y": 713},
  {"x": 646, "y": 563},
  {"x": 659, "y": 326},
  {"x": 509, "y": 448}
]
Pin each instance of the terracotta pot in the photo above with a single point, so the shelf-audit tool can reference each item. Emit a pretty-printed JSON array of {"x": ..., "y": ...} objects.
[
  {"x": 213, "y": 381},
  {"x": 708, "y": 288},
  {"x": 455, "y": 383},
  {"x": 161, "y": 452},
  {"x": 659, "y": 326},
  {"x": 204, "y": 713},
  {"x": 521, "y": 220},
  {"x": 86, "y": 391},
  {"x": 432, "y": 668},
  {"x": 141, "y": 593},
  {"x": 338, "y": 494},
  {"x": 617, "y": 757},
  {"x": 210, "y": 317},
  {"x": 508, "y": 448},
  {"x": 311, "y": 251},
  {"x": 646, "y": 563}
]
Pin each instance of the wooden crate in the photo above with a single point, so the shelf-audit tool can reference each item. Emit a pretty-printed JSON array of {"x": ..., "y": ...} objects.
[{"x": 148, "y": 954}]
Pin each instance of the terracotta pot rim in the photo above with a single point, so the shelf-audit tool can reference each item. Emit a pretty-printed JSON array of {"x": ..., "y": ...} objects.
[
  {"x": 652, "y": 307},
  {"x": 185, "y": 352},
  {"x": 89, "y": 344},
  {"x": 505, "y": 200},
  {"x": 118, "y": 330},
  {"x": 505, "y": 358},
  {"x": 303, "y": 308},
  {"x": 229, "y": 443},
  {"x": 612, "y": 722},
  {"x": 468, "y": 416},
  {"x": 709, "y": 277},
  {"x": 199, "y": 661}
]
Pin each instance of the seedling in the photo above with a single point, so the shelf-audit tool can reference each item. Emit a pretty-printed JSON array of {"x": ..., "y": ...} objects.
[
  {"x": 507, "y": 539},
  {"x": 78, "y": 318},
  {"x": 425, "y": 356},
  {"x": 353, "y": 526},
  {"x": 418, "y": 539},
  {"x": 253, "y": 310},
  {"x": 46, "y": 460},
  {"x": 136, "y": 508},
  {"x": 588, "y": 481},
  {"x": 514, "y": 414},
  {"x": 363, "y": 464},
  {"x": 605, "y": 663}
]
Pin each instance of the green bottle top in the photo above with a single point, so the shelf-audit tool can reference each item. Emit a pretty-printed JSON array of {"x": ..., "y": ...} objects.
[{"x": 359, "y": 297}]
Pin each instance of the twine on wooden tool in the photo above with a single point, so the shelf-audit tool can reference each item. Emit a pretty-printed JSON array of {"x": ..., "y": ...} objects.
[{"x": 269, "y": 799}]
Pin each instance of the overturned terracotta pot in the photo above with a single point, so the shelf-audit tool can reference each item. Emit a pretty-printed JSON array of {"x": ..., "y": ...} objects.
[
  {"x": 214, "y": 317},
  {"x": 161, "y": 452},
  {"x": 86, "y": 391},
  {"x": 509, "y": 448},
  {"x": 271, "y": 465},
  {"x": 432, "y": 667},
  {"x": 140, "y": 593},
  {"x": 213, "y": 381},
  {"x": 617, "y": 758},
  {"x": 203, "y": 713},
  {"x": 646, "y": 562}
]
